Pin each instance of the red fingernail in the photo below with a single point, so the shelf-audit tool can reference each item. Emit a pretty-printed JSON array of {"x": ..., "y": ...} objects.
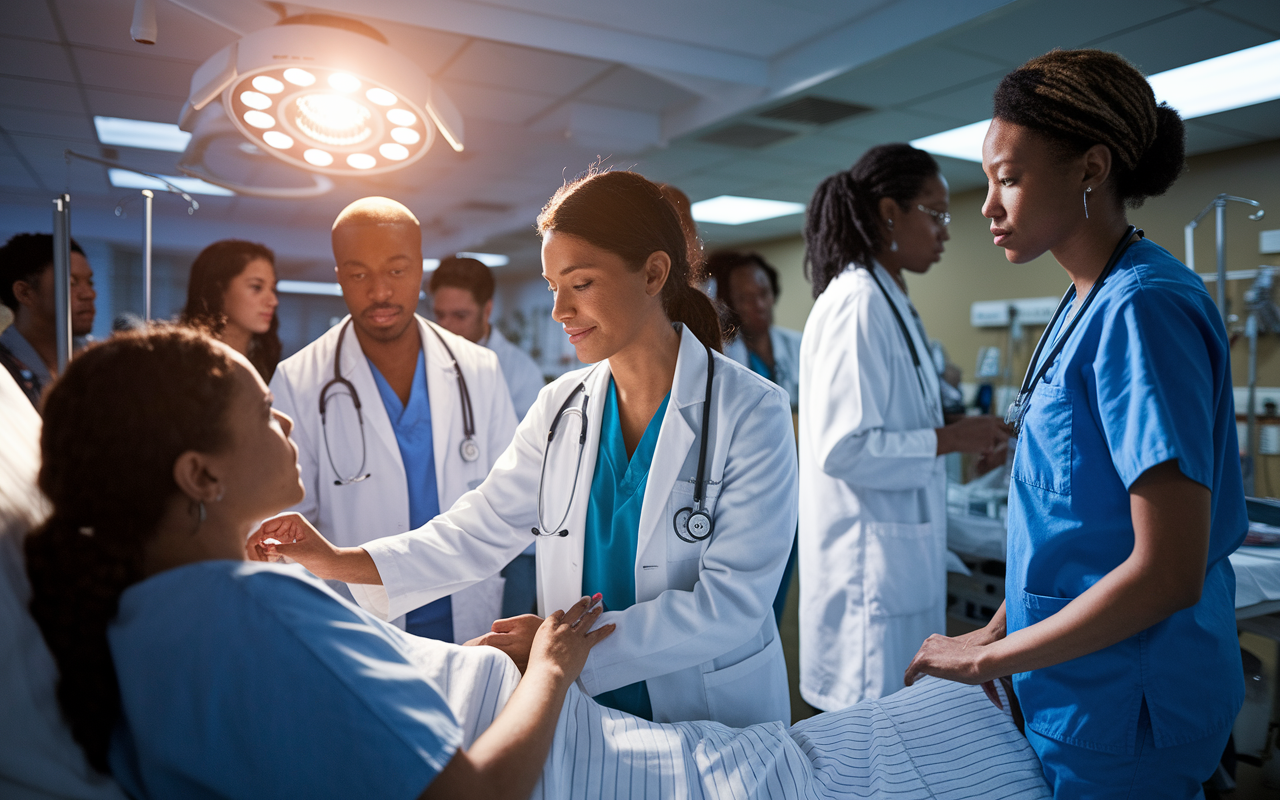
[{"x": 597, "y": 596}]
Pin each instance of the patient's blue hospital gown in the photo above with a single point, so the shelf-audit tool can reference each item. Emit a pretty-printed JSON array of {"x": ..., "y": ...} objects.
[{"x": 279, "y": 688}]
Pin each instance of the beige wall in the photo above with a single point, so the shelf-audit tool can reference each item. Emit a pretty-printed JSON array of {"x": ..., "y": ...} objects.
[{"x": 973, "y": 269}]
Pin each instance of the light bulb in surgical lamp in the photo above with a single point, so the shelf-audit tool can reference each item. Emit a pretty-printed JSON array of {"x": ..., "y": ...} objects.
[
  {"x": 278, "y": 140},
  {"x": 405, "y": 135},
  {"x": 333, "y": 120},
  {"x": 299, "y": 77},
  {"x": 259, "y": 119},
  {"x": 268, "y": 84},
  {"x": 381, "y": 96},
  {"x": 319, "y": 158},
  {"x": 256, "y": 100},
  {"x": 402, "y": 117},
  {"x": 344, "y": 81},
  {"x": 361, "y": 161},
  {"x": 394, "y": 152}
]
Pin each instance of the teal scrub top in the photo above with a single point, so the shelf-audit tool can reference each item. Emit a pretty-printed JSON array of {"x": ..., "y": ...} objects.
[
  {"x": 1144, "y": 378},
  {"x": 412, "y": 425},
  {"x": 613, "y": 528},
  {"x": 757, "y": 365}
]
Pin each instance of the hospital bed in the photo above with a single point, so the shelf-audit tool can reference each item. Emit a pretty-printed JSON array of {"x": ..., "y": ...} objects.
[{"x": 936, "y": 739}]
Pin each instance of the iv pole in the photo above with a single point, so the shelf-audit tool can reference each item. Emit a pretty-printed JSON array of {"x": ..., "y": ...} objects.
[
  {"x": 1219, "y": 206},
  {"x": 62, "y": 251}
]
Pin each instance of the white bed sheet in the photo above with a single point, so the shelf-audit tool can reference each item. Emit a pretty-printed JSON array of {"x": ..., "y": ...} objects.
[{"x": 935, "y": 740}]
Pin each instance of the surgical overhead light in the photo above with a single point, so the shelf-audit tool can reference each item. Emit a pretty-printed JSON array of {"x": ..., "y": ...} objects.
[{"x": 319, "y": 93}]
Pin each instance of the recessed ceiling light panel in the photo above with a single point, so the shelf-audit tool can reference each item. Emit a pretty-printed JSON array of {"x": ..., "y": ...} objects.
[{"x": 730, "y": 210}]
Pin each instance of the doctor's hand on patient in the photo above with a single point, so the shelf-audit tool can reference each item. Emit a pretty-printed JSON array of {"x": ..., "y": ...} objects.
[
  {"x": 514, "y": 635},
  {"x": 984, "y": 435},
  {"x": 291, "y": 535},
  {"x": 961, "y": 658}
]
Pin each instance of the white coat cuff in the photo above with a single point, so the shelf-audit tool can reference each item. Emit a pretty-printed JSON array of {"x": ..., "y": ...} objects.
[
  {"x": 372, "y": 599},
  {"x": 375, "y": 599}
]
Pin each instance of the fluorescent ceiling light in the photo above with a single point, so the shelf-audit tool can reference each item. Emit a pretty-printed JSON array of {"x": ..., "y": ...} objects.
[
  {"x": 429, "y": 264},
  {"x": 125, "y": 179},
  {"x": 488, "y": 259},
  {"x": 964, "y": 142},
  {"x": 308, "y": 287},
  {"x": 729, "y": 210},
  {"x": 1242, "y": 78},
  {"x": 137, "y": 133},
  {"x": 1235, "y": 80}
]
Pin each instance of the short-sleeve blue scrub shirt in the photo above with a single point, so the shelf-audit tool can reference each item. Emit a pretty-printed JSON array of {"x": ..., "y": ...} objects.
[
  {"x": 1144, "y": 378},
  {"x": 255, "y": 680},
  {"x": 613, "y": 530},
  {"x": 412, "y": 425}
]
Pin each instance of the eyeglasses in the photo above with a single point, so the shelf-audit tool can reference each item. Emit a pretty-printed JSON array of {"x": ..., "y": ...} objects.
[{"x": 943, "y": 218}]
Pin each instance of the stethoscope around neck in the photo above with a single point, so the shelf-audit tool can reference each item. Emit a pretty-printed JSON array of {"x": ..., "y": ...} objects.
[
  {"x": 906, "y": 333},
  {"x": 469, "y": 449},
  {"x": 692, "y": 523}
]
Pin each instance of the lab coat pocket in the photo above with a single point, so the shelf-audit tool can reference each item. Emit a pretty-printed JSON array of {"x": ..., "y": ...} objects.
[
  {"x": 903, "y": 573},
  {"x": 681, "y": 548},
  {"x": 1043, "y": 454}
]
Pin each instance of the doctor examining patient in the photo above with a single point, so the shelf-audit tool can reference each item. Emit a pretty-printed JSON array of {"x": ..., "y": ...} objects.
[{"x": 661, "y": 488}]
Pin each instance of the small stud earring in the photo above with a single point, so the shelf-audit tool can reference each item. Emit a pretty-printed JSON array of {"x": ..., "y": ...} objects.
[
  {"x": 893, "y": 239},
  {"x": 1087, "y": 190}
]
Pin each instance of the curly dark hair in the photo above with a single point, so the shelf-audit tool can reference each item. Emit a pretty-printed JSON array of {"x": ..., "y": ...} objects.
[
  {"x": 211, "y": 274},
  {"x": 626, "y": 214},
  {"x": 1079, "y": 98},
  {"x": 114, "y": 424},
  {"x": 842, "y": 225},
  {"x": 23, "y": 258}
]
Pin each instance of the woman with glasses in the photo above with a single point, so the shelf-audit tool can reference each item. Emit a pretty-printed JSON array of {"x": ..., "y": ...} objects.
[
  {"x": 1126, "y": 498},
  {"x": 872, "y": 431}
]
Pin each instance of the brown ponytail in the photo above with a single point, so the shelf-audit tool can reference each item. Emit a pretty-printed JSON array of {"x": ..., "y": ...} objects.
[
  {"x": 626, "y": 214},
  {"x": 114, "y": 424}
]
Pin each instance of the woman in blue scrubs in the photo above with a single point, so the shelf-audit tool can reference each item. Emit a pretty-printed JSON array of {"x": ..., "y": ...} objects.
[{"x": 1126, "y": 497}]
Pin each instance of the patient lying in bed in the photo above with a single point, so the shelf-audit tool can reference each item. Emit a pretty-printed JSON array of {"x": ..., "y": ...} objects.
[{"x": 283, "y": 688}]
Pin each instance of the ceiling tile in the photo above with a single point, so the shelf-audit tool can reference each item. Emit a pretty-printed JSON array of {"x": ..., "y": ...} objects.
[
  {"x": 1263, "y": 14},
  {"x": 29, "y": 18},
  {"x": 891, "y": 126},
  {"x": 497, "y": 105},
  {"x": 627, "y": 88},
  {"x": 682, "y": 158},
  {"x": 23, "y": 58},
  {"x": 180, "y": 34},
  {"x": 1024, "y": 30},
  {"x": 901, "y": 78},
  {"x": 431, "y": 50},
  {"x": 1203, "y": 137},
  {"x": 41, "y": 95},
  {"x": 1199, "y": 33},
  {"x": 135, "y": 106},
  {"x": 24, "y": 120},
  {"x": 1261, "y": 121},
  {"x": 14, "y": 175},
  {"x": 763, "y": 170},
  {"x": 522, "y": 68},
  {"x": 117, "y": 71},
  {"x": 961, "y": 106}
]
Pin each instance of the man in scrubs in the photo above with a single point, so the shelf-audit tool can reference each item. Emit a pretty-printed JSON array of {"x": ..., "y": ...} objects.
[{"x": 405, "y": 442}]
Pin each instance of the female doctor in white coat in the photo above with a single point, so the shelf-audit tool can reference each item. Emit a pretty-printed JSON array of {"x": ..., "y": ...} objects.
[
  {"x": 604, "y": 474},
  {"x": 873, "y": 487}
]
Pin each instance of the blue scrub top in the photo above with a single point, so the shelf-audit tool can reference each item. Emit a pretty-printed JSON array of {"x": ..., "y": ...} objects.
[
  {"x": 1144, "y": 378},
  {"x": 757, "y": 365},
  {"x": 613, "y": 530},
  {"x": 412, "y": 426},
  {"x": 280, "y": 690}
]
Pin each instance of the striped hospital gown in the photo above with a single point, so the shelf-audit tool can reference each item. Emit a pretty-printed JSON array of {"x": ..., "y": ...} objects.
[{"x": 936, "y": 740}]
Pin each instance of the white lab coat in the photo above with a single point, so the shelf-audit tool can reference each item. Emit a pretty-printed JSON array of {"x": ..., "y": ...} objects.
[
  {"x": 523, "y": 376},
  {"x": 872, "y": 494},
  {"x": 379, "y": 506},
  {"x": 702, "y": 632},
  {"x": 786, "y": 359}
]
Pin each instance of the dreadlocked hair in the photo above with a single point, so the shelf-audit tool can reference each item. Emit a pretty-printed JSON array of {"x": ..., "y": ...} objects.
[
  {"x": 842, "y": 225},
  {"x": 114, "y": 424},
  {"x": 1080, "y": 98},
  {"x": 626, "y": 214}
]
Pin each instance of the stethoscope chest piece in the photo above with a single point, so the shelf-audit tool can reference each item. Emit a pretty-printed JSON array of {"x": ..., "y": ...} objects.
[
  {"x": 692, "y": 526},
  {"x": 469, "y": 449}
]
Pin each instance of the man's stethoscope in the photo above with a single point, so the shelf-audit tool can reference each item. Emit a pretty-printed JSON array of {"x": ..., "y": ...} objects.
[
  {"x": 469, "y": 449},
  {"x": 692, "y": 523}
]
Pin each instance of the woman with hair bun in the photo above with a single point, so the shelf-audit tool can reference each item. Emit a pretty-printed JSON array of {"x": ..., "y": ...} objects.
[
  {"x": 1126, "y": 497},
  {"x": 661, "y": 480}
]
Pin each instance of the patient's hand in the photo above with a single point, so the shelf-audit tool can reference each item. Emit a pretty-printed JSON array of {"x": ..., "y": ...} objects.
[
  {"x": 513, "y": 636},
  {"x": 564, "y": 639}
]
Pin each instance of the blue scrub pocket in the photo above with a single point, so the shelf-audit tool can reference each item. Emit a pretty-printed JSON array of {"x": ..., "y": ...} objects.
[{"x": 1043, "y": 456}]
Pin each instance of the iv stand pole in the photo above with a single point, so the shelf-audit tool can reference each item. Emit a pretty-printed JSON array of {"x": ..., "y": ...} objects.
[
  {"x": 62, "y": 278},
  {"x": 1219, "y": 206}
]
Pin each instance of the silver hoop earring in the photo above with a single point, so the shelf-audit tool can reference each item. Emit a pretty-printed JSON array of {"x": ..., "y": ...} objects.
[
  {"x": 201, "y": 516},
  {"x": 1087, "y": 189}
]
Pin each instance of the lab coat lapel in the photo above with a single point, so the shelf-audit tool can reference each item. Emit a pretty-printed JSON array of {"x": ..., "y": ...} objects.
[
  {"x": 932, "y": 394},
  {"x": 674, "y": 439},
  {"x": 355, "y": 368},
  {"x": 442, "y": 393}
]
